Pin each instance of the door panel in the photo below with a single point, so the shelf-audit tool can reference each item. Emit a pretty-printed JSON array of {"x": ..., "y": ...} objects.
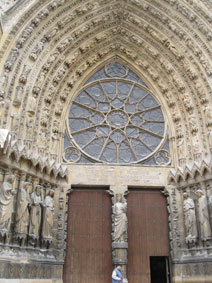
[
  {"x": 147, "y": 232},
  {"x": 88, "y": 253}
]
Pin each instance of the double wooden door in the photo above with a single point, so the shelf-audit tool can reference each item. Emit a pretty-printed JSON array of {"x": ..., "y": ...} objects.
[{"x": 88, "y": 252}]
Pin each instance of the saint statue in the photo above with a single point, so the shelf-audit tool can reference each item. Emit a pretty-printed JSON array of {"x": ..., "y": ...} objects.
[
  {"x": 120, "y": 219},
  {"x": 205, "y": 228},
  {"x": 22, "y": 217},
  {"x": 48, "y": 213},
  {"x": 6, "y": 204},
  {"x": 35, "y": 213},
  {"x": 190, "y": 219}
]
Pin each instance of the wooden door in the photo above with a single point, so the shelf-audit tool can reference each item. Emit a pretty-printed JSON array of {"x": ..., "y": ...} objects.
[
  {"x": 147, "y": 232},
  {"x": 88, "y": 252}
]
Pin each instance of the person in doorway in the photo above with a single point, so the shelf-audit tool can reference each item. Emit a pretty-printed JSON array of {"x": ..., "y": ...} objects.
[{"x": 117, "y": 275}]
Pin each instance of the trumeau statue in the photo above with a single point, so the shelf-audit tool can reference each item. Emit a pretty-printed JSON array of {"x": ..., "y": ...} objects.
[
  {"x": 48, "y": 216},
  {"x": 6, "y": 204},
  {"x": 190, "y": 219},
  {"x": 22, "y": 217},
  {"x": 35, "y": 213},
  {"x": 120, "y": 219},
  {"x": 205, "y": 228}
]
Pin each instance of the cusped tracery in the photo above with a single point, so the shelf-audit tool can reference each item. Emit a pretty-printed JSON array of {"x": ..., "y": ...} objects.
[{"x": 116, "y": 119}]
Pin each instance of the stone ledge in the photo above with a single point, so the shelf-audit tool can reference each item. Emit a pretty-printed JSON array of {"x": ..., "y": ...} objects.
[{"x": 194, "y": 279}]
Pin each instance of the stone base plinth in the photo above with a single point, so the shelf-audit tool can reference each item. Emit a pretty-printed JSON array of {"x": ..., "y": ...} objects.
[{"x": 191, "y": 280}]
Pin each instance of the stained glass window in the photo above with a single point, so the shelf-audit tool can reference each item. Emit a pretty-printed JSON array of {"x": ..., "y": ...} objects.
[{"x": 115, "y": 118}]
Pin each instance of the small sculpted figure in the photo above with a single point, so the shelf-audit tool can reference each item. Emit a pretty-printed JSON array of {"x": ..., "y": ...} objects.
[
  {"x": 48, "y": 216},
  {"x": 120, "y": 219},
  {"x": 208, "y": 115},
  {"x": 35, "y": 213},
  {"x": 22, "y": 216},
  {"x": 205, "y": 228},
  {"x": 6, "y": 204},
  {"x": 190, "y": 219}
]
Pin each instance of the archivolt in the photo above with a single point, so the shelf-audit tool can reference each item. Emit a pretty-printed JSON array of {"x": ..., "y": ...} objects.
[{"x": 54, "y": 51}]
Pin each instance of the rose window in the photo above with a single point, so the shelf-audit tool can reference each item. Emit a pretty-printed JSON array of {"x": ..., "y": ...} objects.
[{"x": 115, "y": 118}]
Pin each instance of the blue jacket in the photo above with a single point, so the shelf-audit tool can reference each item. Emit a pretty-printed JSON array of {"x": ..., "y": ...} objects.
[{"x": 118, "y": 274}]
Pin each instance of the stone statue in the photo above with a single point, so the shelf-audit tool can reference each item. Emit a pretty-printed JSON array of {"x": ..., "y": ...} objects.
[
  {"x": 205, "y": 228},
  {"x": 2, "y": 105},
  {"x": 120, "y": 219},
  {"x": 35, "y": 213},
  {"x": 208, "y": 116},
  {"x": 48, "y": 213},
  {"x": 6, "y": 204},
  {"x": 32, "y": 103},
  {"x": 190, "y": 219},
  {"x": 29, "y": 126},
  {"x": 22, "y": 216}
]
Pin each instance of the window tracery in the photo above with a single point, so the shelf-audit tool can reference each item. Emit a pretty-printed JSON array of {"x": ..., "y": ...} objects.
[{"x": 116, "y": 119}]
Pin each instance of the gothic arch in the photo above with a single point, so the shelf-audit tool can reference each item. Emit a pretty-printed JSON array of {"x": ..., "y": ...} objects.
[{"x": 158, "y": 40}]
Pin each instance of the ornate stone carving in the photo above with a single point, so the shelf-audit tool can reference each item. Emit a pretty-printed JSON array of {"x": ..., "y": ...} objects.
[
  {"x": 11, "y": 59},
  {"x": 187, "y": 102},
  {"x": 208, "y": 116},
  {"x": 29, "y": 126},
  {"x": 45, "y": 117},
  {"x": 6, "y": 205},
  {"x": 32, "y": 104},
  {"x": 18, "y": 96},
  {"x": 22, "y": 215},
  {"x": 48, "y": 218},
  {"x": 37, "y": 50},
  {"x": 205, "y": 229},
  {"x": 2, "y": 105},
  {"x": 3, "y": 83},
  {"x": 35, "y": 215},
  {"x": 190, "y": 219},
  {"x": 25, "y": 74},
  {"x": 180, "y": 147},
  {"x": 193, "y": 124}
]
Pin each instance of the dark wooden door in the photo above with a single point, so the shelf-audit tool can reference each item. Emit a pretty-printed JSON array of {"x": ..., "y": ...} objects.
[
  {"x": 147, "y": 232},
  {"x": 88, "y": 252}
]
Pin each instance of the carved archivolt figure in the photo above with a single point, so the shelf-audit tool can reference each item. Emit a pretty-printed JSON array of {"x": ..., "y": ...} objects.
[
  {"x": 208, "y": 116},
  {"x": 205, "y": 228},
  {"x": 6, "y": 204},
  {"x": 190, "y": 219},
  {"x": 22, "y": 217},
  {"x": 35, "y": 213},
  {"x": 120, "y": 219},
  {"x": 48, "y": 213}
]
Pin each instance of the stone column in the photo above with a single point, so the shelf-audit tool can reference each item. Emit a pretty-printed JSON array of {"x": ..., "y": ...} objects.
[{"x": 119, "y": 233}]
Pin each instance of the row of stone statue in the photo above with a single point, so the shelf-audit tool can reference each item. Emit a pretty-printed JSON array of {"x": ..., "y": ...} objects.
[
  {"x": 191, "y": 218},
  {"x": 33, "y": 217}
]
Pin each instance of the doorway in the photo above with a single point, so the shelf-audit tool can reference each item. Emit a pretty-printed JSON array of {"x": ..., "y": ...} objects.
[
  {"x": 159, "y": 268},
  {"x": 147, "y": 233},
  {"x": 88, "y": 253}
]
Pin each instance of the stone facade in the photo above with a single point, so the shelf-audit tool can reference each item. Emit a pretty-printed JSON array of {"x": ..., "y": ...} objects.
[{"x": 48, "y": 50}]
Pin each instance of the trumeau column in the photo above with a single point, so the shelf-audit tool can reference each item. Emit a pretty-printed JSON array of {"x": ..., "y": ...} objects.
[{"x": 119, "y": 230}]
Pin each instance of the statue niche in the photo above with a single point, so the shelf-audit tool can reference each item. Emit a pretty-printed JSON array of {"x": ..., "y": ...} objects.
[{"x": 6, "y": 206}]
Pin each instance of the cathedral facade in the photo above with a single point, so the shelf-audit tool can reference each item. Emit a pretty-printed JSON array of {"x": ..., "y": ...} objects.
[{"x": 105, "y": 140}]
